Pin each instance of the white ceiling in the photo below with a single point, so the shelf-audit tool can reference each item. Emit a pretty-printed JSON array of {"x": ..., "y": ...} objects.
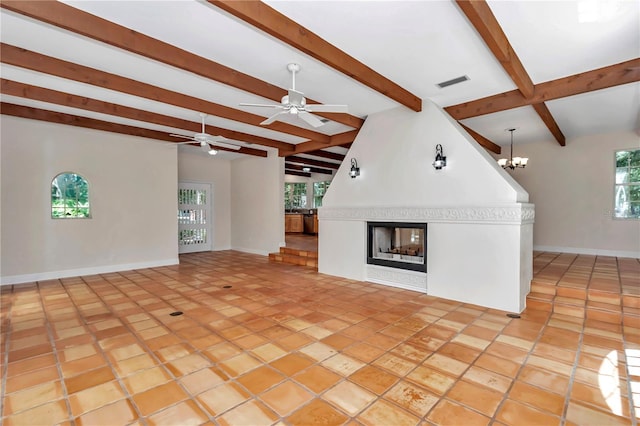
[{"x": 416, "y": 44}]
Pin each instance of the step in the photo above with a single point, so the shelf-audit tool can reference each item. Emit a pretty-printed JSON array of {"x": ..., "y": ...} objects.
[
  {"x": 295, "y": 257},
  {"x": 543, "y": 287},
  {"x": 597, "y": 306}
]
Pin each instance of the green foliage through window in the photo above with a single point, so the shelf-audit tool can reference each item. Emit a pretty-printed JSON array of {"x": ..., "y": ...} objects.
[
  {"x": 295, "y": 195},
  {"x": 627, "y": 186},
  {"x": 69, "y": 196},
  {"x": 319, "y": 189}
]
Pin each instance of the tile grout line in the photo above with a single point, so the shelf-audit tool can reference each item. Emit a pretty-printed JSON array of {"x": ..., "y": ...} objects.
[
  {"x": 5, "y": 361},
  {"x": 103, "y": 352},
  {"x": 632, "y": 411},
  {"x": 215, "y": 363},
  {"x": 154, "y": 356},
  {"x": 579, "y": 347},
  {"x": 524, "y": 361},
  {"x": 63, "y": 385},
  {"x": 574, "y": 369},
  {"x": 188, "y": 292}
]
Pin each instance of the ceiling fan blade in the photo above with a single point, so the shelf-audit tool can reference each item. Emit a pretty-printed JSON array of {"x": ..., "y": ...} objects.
[
  {"x": 272, "y": 118},
  {"x": 205, "y": 137},
  {"x": 296, "y": 98},
  {"x": 225, "y": 145},
  {"x": 310, "y": 118},
  {"x": 262, "y": 105},
  {"x": 189, "y": 140},
  {"x": 327, "y": 108},
  {"x": 181, "y": 136}
]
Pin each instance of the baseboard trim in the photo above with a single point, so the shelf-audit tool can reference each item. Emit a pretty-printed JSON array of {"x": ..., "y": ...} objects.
[
  {"x": 252, "y": 251},
  {"x": 53, "y": 275},
  {"x": 594, "y": 252}
]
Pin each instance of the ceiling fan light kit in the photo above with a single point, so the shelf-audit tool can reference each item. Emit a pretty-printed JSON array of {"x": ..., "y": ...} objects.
[
  {"x": 295, "y": 103},
  {"x": 513, "y": 162},
  {"x": 206, "y": 140}
]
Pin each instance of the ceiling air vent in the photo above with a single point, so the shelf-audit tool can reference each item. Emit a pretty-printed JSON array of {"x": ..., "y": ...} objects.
[{"x": 452, "y": 81}]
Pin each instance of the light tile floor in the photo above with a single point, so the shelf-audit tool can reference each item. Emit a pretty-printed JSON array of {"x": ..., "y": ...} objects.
[{"x": 269, "y": 343}]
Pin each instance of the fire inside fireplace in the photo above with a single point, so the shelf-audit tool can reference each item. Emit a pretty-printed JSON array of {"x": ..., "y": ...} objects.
[{"x": 397, "y": 245}]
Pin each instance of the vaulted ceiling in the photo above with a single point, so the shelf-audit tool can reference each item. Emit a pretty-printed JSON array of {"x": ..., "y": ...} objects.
[{"x": 552, "y": 70}]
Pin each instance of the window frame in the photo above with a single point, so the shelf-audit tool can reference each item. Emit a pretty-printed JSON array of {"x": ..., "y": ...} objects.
[
  {"x": 77, "y": 204},
  {"x": 303, "y": 196},
  {"x": 327, "y": 184},
  {"x": 616, "y": 185}
]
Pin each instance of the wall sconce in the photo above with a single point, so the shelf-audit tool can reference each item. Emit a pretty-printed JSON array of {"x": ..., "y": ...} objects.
[
  {"x": 441, "y": 160},
  {"x": 355, "y": 170}
]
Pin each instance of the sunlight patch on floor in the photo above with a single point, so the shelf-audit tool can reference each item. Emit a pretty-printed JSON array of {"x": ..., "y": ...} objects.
[{"x": 609, "y": 379}]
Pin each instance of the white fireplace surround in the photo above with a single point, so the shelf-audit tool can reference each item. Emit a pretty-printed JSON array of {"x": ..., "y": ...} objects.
[
  {"x": 520, "y": 213},
  {"x": 479, "y": 220},
  {"x": 494, "y": 273}
]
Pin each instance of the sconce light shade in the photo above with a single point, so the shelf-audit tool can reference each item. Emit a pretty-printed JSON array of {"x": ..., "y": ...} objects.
[
  {"x": 441, "y": 160},
  {"x": 355, "y": 170}
]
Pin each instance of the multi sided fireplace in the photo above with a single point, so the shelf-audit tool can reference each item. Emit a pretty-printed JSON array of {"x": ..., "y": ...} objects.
[{"x": 397, "y": 245}]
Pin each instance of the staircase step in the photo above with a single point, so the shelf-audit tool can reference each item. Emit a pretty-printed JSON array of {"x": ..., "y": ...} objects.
[
  {"x": 297, "y": 252},
  {"x": 631, "y": 300},
  {"x": 295, "y": 257},
  {"x": 595, "y": 307},
  {"x": 543, "y": 287},
  {"x": 572, "y": 292}
]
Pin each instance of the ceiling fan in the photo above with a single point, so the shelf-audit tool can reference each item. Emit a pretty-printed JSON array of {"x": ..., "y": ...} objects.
[
  {"x": 295, "y": 103},
  {"x": 206, "y": 140}
]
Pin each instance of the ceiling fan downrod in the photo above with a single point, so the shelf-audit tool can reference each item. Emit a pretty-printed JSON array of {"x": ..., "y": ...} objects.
[{"x": 293, "y": 69}]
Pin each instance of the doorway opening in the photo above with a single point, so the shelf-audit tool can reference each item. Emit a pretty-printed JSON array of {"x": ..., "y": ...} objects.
[{"x": 194, "y": 217}]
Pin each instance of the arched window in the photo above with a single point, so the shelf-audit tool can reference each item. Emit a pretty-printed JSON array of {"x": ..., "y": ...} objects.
[{"x": 69, "y": 197}]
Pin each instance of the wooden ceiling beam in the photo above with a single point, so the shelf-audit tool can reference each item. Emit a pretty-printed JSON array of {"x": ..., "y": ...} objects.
[
  {"x": 13, "y": 88},
  {"x": 326, "y": 154},
  {"x": 551, "y": 124},
  {"x": 299, "y": 167},
  {"x": 296, "y": 173},
  {"x": 484, "y": 21},
  {"x": 341, "y": 139},
  {"x": 45, "y": 64},
  {"x": 91, "y": 123},
  {"x": 88, "y": 25},
  {"x": 601, "y": 78},
  {"x": 486, "y": 143},
  {"x": 310, "y": 162},
  {"x": 276, "y": 24}
]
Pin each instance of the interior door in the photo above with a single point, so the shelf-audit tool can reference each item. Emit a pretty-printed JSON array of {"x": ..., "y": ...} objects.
[{"x": 194, "y": 217}]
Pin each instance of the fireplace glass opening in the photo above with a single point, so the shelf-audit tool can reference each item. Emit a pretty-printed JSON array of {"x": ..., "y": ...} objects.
[{"x": 397, "y": 245}]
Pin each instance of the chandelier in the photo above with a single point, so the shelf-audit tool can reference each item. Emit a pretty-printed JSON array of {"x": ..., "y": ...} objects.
[{"x": 513, "y": 162}]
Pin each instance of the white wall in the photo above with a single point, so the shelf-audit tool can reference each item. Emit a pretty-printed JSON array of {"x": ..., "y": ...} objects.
[
  {"x": 572, "y": 188},
  {"x": 196, "y": 166},
  {"x": 477, "y": 220},
  {"x": 257, "y": 204},
  {"x": 133, "y": 184},
  {"x": 395, "y": 151}
]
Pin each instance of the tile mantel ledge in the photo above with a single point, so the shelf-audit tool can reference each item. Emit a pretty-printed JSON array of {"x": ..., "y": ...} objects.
[{"x": 507, "y": 214}]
